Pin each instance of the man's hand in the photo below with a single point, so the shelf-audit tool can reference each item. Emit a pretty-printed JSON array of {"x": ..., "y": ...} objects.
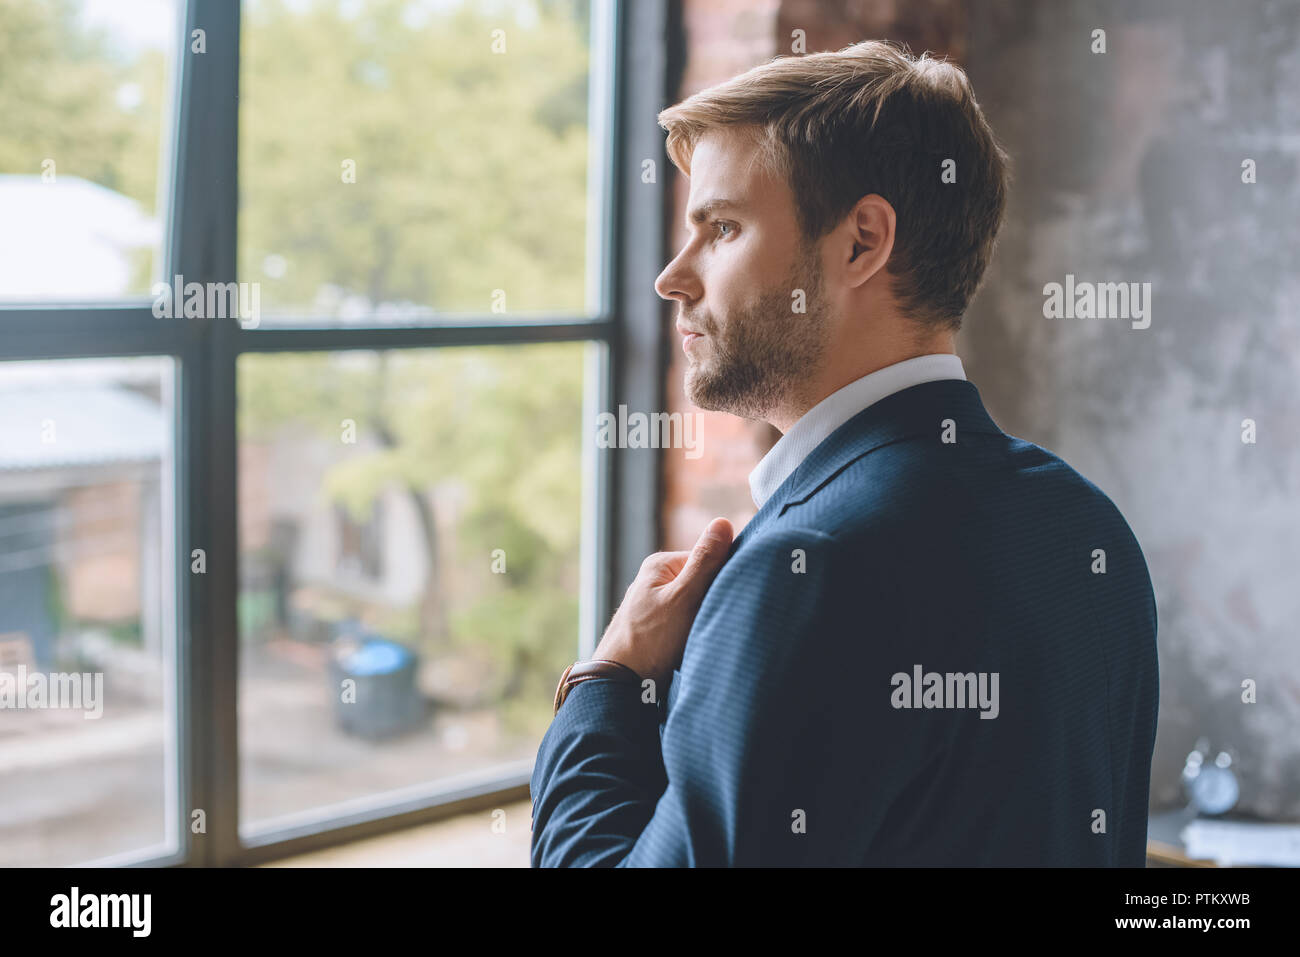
[{"x": 648, "y": 632}]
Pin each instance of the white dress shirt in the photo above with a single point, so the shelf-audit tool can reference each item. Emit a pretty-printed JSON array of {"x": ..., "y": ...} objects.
[{"x": 837, "y": 408}]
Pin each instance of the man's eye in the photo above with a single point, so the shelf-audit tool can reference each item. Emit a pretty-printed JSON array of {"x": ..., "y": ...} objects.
[{"x": 718, "y": 224}]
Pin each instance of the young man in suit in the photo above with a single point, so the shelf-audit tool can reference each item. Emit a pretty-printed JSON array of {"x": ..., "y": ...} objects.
[{"x": 935, "y": 643}]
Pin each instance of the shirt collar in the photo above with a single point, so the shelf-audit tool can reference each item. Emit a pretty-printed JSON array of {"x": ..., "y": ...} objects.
[{"x": 837, "y": 408}]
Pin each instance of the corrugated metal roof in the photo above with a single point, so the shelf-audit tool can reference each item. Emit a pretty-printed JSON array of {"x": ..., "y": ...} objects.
[
  {"x": 69, "y": 239},
  {"x": 89, "y": 425}
]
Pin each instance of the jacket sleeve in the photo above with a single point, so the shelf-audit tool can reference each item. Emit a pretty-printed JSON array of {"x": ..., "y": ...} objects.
[{"x": 750, "y": 768}]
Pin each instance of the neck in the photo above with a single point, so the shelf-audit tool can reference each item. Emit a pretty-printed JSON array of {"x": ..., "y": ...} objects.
[{"x": 836, "y": 374}]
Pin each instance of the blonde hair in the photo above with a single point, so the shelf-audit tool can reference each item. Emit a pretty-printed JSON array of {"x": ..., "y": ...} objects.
[{"x": 872, "y": 118}]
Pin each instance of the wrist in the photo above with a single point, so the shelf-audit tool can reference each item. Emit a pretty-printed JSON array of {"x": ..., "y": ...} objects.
[
  {"x": 592, "y": 670},
  {"x": 619, "y": 648}
]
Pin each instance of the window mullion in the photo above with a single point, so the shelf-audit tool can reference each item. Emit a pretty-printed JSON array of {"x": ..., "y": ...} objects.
[{"x": 202, "y": 249}]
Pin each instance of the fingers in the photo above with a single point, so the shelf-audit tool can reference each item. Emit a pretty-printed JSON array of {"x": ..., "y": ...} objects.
[
  {"x": 661, "y": 568},
  {"x": 706, "y": 558}
]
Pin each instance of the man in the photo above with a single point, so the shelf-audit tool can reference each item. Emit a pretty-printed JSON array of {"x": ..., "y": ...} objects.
[{"x": 935, "y": 643}]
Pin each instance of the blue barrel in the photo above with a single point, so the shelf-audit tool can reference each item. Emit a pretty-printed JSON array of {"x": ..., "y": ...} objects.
[{"x": 388, "y": 702}]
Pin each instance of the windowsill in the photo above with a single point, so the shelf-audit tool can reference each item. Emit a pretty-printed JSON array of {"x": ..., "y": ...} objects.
[{"x": 468, "y": 840}]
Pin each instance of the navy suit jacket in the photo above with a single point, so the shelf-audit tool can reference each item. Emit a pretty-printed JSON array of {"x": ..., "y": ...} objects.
[{"x": 918, "y": 538}]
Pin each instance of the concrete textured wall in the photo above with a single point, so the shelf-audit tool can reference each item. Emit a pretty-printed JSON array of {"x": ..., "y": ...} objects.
[{"x": 1128, "y": 169}]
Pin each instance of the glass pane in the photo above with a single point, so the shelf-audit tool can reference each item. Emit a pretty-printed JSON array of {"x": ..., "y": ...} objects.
[
  {"x": 405, "y": 159},
  {"x": 86, "y": 97},
  {"x": 409, "y": 566},
  {"x": 87, "y": 622}
]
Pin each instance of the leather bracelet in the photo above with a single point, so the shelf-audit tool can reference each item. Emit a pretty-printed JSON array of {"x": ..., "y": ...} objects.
[{"x": 581, "y": 671}]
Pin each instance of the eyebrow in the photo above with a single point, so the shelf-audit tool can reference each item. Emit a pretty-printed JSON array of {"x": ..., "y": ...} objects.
[{"x": 702, "y": 212}]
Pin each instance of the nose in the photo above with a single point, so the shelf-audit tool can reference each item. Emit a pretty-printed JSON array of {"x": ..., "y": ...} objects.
[{"x": 679, "y": 281}]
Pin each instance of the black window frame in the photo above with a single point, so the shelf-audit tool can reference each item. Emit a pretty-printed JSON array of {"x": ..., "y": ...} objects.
[{"x": 201, "y": 245}]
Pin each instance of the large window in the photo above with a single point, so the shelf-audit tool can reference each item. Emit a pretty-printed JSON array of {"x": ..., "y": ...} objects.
[{"x": 306, "y": 311}]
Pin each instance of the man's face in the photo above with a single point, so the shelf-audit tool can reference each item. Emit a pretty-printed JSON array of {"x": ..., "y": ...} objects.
[{"x": 736, "y": 281}]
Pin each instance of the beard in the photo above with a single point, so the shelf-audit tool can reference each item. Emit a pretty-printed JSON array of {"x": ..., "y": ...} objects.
[{"x": 762, "y": 356}]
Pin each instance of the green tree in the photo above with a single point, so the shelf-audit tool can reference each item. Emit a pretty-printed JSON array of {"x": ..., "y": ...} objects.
[
  {"x": 470, "y": 165},
  {"x": 503, "y": 423},
  {"x": 470, "y": 176},
  {"x": 61, "y": 99}
]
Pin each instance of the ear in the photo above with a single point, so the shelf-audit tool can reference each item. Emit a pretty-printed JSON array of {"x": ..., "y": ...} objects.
[{"x": 871, "y": 234}]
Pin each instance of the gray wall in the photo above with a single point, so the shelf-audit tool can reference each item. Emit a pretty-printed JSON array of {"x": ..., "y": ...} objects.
[{"x": 1128, "y": 169}]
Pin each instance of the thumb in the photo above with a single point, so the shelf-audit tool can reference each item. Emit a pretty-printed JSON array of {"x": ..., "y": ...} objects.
[{"x": 706, "y": 557}]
